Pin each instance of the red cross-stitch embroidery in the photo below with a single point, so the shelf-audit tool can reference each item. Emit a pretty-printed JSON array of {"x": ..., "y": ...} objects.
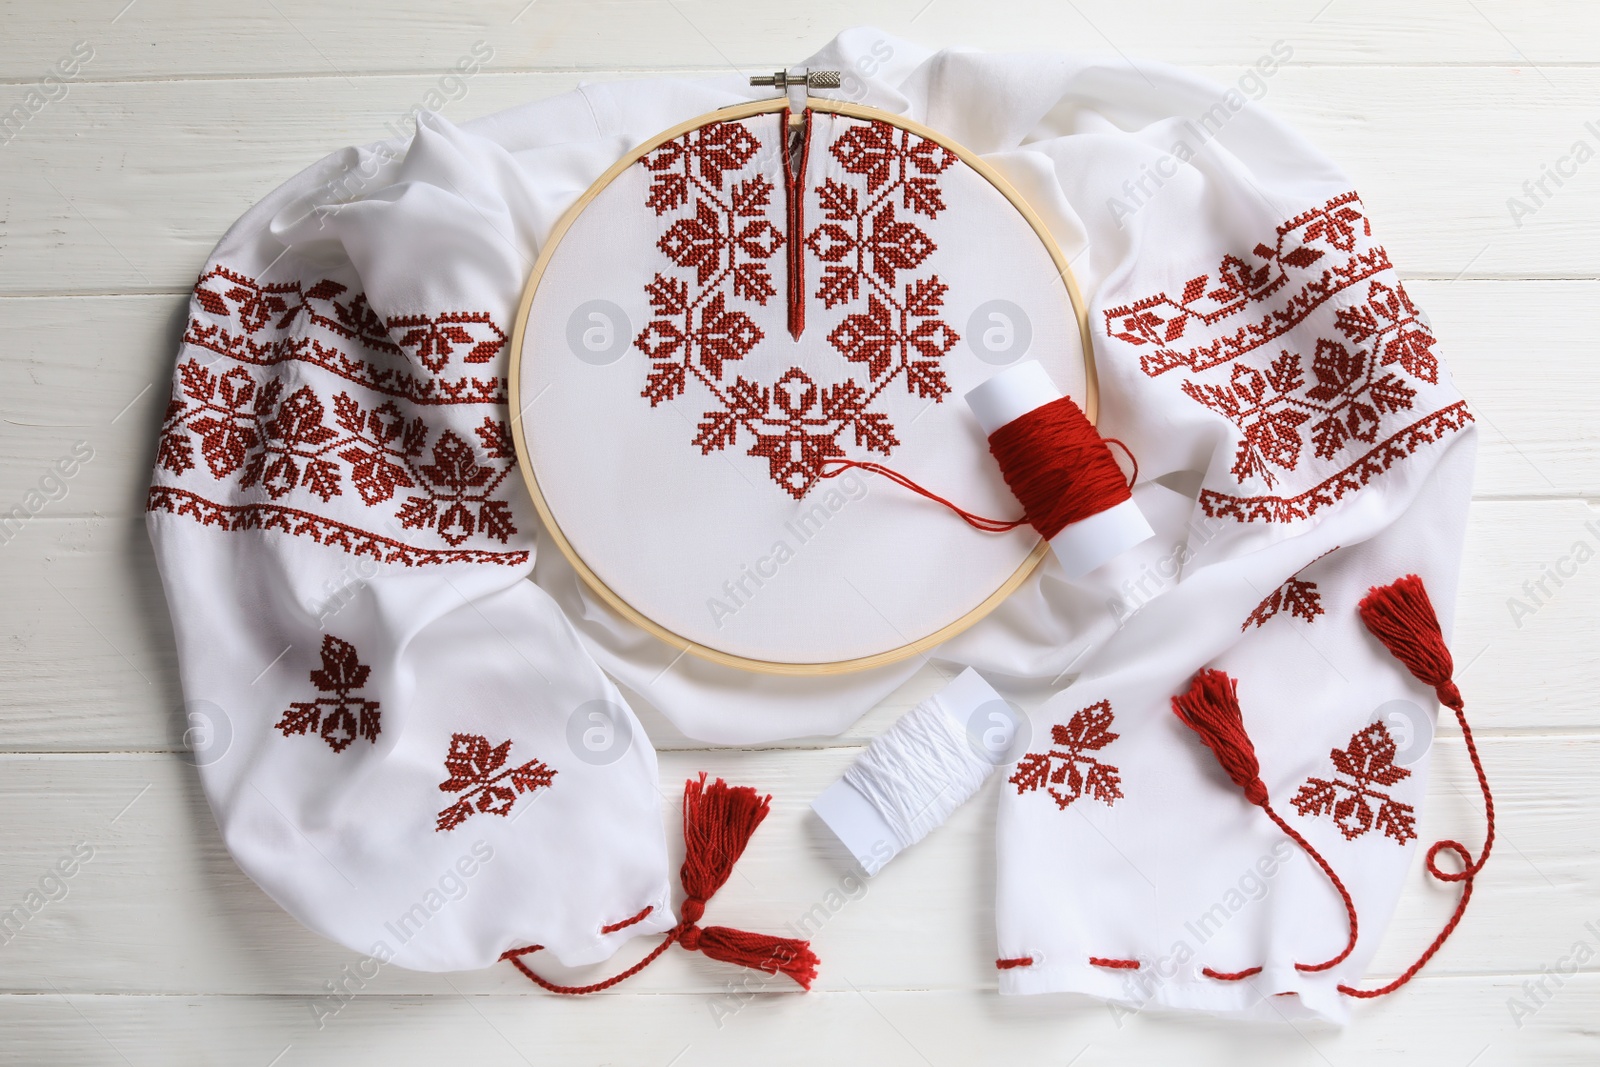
[
  {"x": 341, "y": 717},
  {"x": 1326, "y": 238},
  {"x": 1058, "y": 770},
  {"x": 475, "y": 773},
  {"x": 721, "y": 239},
  {"x": 1345, "y": 403},
  {"x": 1331, "y": 490},
  {"x": 1297, "y": 597},
  {"x": 281, "y": 443},
  {"x": 241, "y": 303},
  {"x": 282, "y": 448},
  {"x": 1344, "y": 395},
  {"x": 1352, "y": 797}
]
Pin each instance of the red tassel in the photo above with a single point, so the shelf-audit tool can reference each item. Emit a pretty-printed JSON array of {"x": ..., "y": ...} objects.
[
  {"x": 718, "y": 821},
  {"x": 1211, "y": 709},
  {"x": 1401, "y": 616},
  {"x": 758, "y": 951}
]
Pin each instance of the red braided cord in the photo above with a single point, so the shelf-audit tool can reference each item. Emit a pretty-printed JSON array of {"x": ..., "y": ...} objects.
[
  {"x": 1467, "y": 874},
  {"x": 1344, "y": 894},
  {"x": 515, "y": 956},
  {"x": 1230, "y": 976}
]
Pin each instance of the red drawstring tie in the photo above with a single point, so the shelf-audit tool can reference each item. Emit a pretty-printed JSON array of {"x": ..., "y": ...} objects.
[
  {"x": 1211, "y": 709},
  {"x": 1402, "y": 617},
  {"x": 718, "y": 821}
]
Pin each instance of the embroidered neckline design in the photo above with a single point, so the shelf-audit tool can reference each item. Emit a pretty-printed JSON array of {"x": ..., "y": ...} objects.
[
  {"x": 475, "y": 773},
  {"x": 721, "y": 240},
  {"x": 1067, "y": 771},
  {"x": 342, "y": 715}
]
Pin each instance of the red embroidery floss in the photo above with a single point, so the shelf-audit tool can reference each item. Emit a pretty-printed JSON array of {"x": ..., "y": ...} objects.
[{"x": 1056, "y": 464}]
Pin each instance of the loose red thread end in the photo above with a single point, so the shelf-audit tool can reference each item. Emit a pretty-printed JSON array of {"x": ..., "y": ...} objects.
[
  {"x": 718, "y": 821},
  {"x": 1054, "y": 461},
  {"x": 1116, "y": 965}
]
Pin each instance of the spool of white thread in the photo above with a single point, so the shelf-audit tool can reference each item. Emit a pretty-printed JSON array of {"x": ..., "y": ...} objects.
[{"x": 911, "y": 778}]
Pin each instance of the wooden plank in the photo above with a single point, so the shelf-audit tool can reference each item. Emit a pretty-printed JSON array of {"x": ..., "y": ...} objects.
[
  {"x": 160, "y": 908},
  {"x": 187, "y": 158},
  {"x": 1452, "y": 1020},
  {"x": 165, "y": 39}
]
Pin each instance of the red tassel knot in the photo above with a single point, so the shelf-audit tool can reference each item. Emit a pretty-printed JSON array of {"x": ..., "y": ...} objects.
[
  {"x": 718, "y": 821},
  {"x": 1211, "y": 709}
]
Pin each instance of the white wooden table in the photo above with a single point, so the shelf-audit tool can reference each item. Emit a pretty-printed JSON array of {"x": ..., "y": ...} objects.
[{"x": 157, "y": 950}]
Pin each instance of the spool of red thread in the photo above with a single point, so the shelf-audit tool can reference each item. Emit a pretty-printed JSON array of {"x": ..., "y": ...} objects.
[{"x": 1059, "y": 467}]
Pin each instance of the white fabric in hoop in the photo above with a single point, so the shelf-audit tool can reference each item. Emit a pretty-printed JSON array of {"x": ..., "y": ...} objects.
[{"x": 678, "y": 413}]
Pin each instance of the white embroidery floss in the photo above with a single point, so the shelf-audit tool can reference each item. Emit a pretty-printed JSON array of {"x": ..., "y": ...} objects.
[{"x": 909, "y": 780}]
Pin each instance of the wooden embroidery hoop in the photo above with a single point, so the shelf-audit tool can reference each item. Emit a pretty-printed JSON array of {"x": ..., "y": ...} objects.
[{"x": 547, "y": 517}]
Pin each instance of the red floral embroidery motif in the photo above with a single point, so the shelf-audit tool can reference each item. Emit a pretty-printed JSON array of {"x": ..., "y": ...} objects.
[
  {"x": 1294, "y": 596},
  {"x": 1353, "y": 801},
  {"x": 722, "y": 239},
  {"x": 475, "y": 773},
  {"x": 289, "y": 445},
  {"x": 254, "y": 307},
  {"x": 434, "y": 340},
  {"x": 340, "y": 717},
  {"x": 1161, "y": 321},
  {"x": 1344, "y": 400},
  {"x": 283, "y": 443},
  {"x": 1058, "y": 770},
  {"x": 1348, "y": 402}
]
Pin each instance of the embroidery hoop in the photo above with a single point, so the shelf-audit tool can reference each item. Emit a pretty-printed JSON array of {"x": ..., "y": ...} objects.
[{"x": 617, "y": 602}]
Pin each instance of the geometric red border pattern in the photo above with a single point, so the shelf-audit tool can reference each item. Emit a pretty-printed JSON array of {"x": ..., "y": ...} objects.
[
  {"x": 249, "y": 305},
  {"x": 426, "y": 361},
  {"x": 1287, "y": 509},
  {"x": 1248, "y": 347},
  {"x": 357, "y": 542},
  {"x": 1161, "y": 320}
]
